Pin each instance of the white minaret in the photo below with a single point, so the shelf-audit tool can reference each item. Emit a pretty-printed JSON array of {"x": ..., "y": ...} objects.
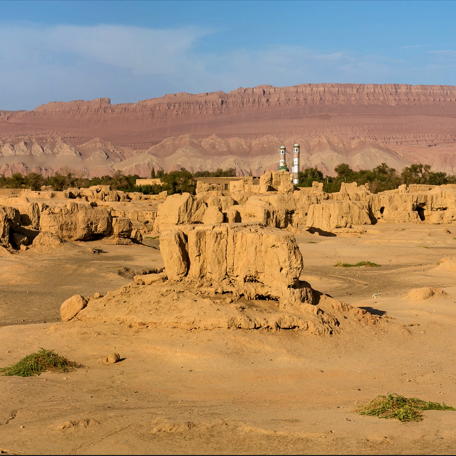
[
  {"x": 283, "y": 161},
  {"x": 296, "y": 159}
]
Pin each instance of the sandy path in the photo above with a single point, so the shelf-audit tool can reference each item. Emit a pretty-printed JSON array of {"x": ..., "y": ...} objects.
[{"x": 34, "y": 285}]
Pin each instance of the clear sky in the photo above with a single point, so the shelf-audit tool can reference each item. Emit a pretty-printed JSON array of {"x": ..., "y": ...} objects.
[{"x": 134, "y": 50}]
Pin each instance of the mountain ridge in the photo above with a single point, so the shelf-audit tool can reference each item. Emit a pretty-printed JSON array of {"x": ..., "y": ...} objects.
[{"x": 403, "y": 123}]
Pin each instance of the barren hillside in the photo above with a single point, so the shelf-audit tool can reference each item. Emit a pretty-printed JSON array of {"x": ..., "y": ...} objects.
[{"x": 360, "y": 124}]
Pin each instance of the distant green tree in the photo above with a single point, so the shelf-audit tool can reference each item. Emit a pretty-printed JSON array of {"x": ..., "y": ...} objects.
[
  {"x": 34, "y": 181},
  {"x": 57, "y": 181},
  {"x": 344, "y": 170},
  {"x": 230, "y": 172},
  {"x": 202, "y": 174},
  {"x": 178, "y": 182},
  {"x": 416, "y": 174},
  {"x": 437, "y": 178},
  {"x": 17, "y": 180},
  {"x": 308, "y": 176}
]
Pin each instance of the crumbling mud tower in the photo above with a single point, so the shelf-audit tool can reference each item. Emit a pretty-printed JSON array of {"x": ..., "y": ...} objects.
[
  {"x": 258, "y": 262},
  {"x": 222, "y": 276},
  {"x": 296, "y": 160}
]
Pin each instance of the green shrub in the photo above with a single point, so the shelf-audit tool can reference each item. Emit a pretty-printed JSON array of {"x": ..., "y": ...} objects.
[
  {"x": 36, "y": 363},
  {"x": 399, "y": 407},
  {"x": 357, "y": 265}
]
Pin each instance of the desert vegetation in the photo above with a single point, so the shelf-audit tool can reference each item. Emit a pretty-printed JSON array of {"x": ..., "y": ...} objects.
[
  {"x": 173, "y": 182},
  {"x": 36, "y": 363},
  {"x": 360, "y": 264},
  {"x": 400, "y": 407},
  {"x": 380, "y": 178}
]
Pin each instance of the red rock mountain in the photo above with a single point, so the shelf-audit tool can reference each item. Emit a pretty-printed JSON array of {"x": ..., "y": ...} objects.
[{"x": 359, "y": 124}]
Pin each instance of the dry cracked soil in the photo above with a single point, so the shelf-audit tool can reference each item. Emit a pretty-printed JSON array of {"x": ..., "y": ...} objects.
[{"x": 233, "y": 391}]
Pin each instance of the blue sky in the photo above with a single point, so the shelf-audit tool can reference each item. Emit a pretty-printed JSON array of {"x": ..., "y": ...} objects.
[{"x": 129, "y": 51}]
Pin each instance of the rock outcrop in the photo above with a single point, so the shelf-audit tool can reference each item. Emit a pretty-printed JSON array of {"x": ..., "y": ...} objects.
[
  {"x": 71, "y": 307},
  {"x": 47, "y": 242},
  {"x": 420, "y": 294},
  {"x": 10, "y": 219},
  {"x": 252, "y": 260},
  {"x": 76, "y": 221},
  {"x": 227, "y": 277},
  {"x": 330, "y": 215},
  {"x": 178, "y": 210}
]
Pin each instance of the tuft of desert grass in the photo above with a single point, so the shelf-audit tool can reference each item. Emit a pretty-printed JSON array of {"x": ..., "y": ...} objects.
[
  {"x": 399, "y": 407},
  {"x": 357, "y": 265},
  {"x": 36, "y": 363}
]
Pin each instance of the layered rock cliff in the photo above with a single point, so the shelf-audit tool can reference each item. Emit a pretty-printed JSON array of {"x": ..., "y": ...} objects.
[{"x": 410, "y": 123}]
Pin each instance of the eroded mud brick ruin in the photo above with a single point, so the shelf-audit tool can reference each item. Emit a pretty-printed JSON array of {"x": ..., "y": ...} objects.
[
  {"x": 272, "y": 200},
  {"x": 228, "y": 276}
]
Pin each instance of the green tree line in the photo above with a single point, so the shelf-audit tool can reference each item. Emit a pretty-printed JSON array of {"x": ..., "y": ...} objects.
[
  {"x": 380, "y": 178},
  {"x": 172, "y": 182}
]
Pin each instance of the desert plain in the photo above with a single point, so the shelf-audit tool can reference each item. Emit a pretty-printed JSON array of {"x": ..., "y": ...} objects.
[
  {"x": 238, "y": 328},
  {"x": 179, "y": 390}
]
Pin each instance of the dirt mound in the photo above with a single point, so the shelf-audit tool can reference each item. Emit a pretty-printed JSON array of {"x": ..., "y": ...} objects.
[
  {"x": 174, "y": 305},
  {"x": 229, "y": 276},
  {"x": 47, "y": 242},
  {"x": 82, "y": 423},
  {"x": 448, "y": 264},
  {"x": 420, "y": 294}
]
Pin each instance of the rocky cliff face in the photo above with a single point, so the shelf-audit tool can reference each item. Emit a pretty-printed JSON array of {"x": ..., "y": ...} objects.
[
  {"x": 185, "y": 104},
  {"x": 408, "y": 123}
]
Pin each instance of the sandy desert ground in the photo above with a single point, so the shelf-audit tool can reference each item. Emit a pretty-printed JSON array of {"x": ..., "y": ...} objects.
[{"x": 233, "y": 391}]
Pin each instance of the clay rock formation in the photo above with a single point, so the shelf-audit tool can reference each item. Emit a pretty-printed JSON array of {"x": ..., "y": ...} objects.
[
  {"x": 10, "y": 219},
  {"x": 448, "y": 264},
  {"x": 47, "y": 242},
  {"x": 330, "y": 215},
  {"x": 258, "y": 261},
  {"x": 112, "y": 358},
  {"x": 212, "y": 216},
  {"x": 121, "y": 227},
  {"x": 71, "y": 307},
  {"x": 173, "y": 247},
  {"x": 80, "y": 214},
  {"x": 179, "y": 210},
  {"x": 76, "y": 221},
  {"x": 420, "y": 294},
  {"x": 227, "y": 276},
  {"x": 188, "y": 305},
  {"x": 29, "y": 211}
]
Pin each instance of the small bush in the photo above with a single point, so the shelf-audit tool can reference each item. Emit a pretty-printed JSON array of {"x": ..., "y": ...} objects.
[
  {"x": 399, "y": 407},
  {"x": 36, "y": 363},
  {"x": 367, "y": 264}
]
